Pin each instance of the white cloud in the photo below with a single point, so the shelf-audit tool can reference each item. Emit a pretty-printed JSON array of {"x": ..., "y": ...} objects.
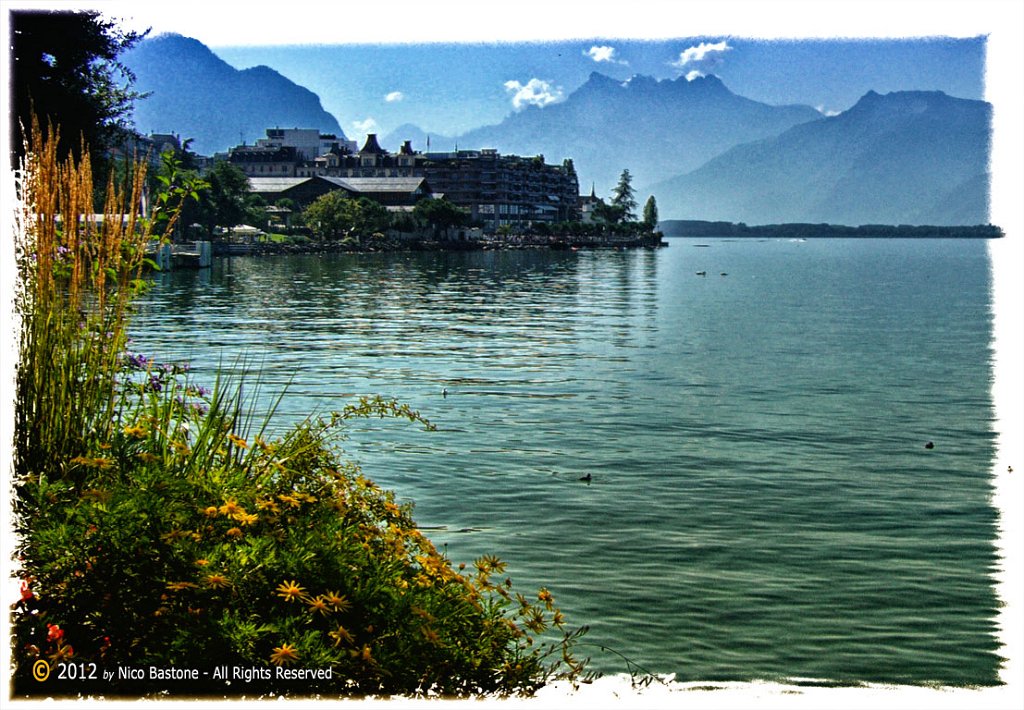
[
  {"x": 702, "y": 58},
  {"x": 826, "y": 112},
  {"x": 603, "y": 54},
  {"x": 368, "y": 125},
  {"x": 535, "y": 92},
  {"x": 695, "y": 74},
  {"x": 394, "y": 96}
]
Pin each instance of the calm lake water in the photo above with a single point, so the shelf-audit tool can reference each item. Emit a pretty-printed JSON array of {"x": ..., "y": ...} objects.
[{"x": 762, "y": 504}]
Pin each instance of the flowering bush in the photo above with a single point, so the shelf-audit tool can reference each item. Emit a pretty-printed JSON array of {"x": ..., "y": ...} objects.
[
  {"x": 187, "y": 544},
  {"x": 159, "y": 527}
]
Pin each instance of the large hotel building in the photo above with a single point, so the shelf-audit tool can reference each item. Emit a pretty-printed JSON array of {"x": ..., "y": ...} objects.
[{"x": 496, "y": 189}]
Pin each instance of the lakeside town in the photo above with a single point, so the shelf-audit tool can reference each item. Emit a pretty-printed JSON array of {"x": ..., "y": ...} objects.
[{"x": 301, "y": 190}]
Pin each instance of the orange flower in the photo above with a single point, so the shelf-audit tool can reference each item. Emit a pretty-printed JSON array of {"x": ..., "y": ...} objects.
[
  {"x": 338, "y": 601},
  {"x": 290, "y": 591},
  {"x": 318, "y": 605},
  {"x": 217, "y": 581},
  {"x": 340, "y": 634},
  {"x": 290, "y": 500},
  {"x": 285, "y": 653},
  {"x": 238, "y": 441},
  {"x": 210, "y": 512},
  {"x": 231, "y": 507},
  {"x": 179, "y": 586},
  {"x": 234, "y": 532}
]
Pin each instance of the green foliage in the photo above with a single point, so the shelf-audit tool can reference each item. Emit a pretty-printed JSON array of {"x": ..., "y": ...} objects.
[
  {"x": 179, "y": 190},
  {"x": 610, "y": 213},
  {"x": 650, "y": 219},
  {"x": 159, "y": 525},
  {"x": 65, "y": 72},
  {"x": 226, "y": 203},
  {"x": 440, "y": 214},
  {"x": 623, "y": 196},
  {"x": 336, "y": 216}
]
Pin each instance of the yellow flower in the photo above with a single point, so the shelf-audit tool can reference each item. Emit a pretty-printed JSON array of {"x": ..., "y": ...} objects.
[
  {"x": 290, "y": 500},
  {"x": 289, "y": 591},
  {"x": 364, "y": 654},
  {"x": 545, "y": 596},
  {"x": 234, "y": 532},
  {"x": 179, "y": 586},
  {"x": 98, "y": 462},
  {"x": 318, "y": 605},
  {"x": 238, "y": 441},
  {"x": 231, "y": 507},
  {"x": 339, "y": 635},
  {"x": 267, "y": 505},
  {"x": 338, "y": 601},
  {"x": 210, "y": 512},
  {"x": 489, "y": 563},
  {"x": 136, "y": 431},
  {"x": 285, "y": 653},
  {"x": 246, "y": 518},
  {"x": 173, "y": 535},
  {"x": 217, "y": 580},
  {"x": 202, "y": 562}
]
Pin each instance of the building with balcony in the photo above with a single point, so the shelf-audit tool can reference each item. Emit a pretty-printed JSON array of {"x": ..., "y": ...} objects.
[{"x": 499, "y": 191}]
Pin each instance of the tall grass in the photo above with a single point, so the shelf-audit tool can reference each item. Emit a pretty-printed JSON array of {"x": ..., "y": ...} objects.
[
  {"x": 158, "y": 527},
  {"x": 77, "y": 274}
]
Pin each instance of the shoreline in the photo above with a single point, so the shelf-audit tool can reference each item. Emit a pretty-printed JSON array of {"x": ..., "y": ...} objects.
[
  {"x": 802, "y": 230},
  {"x": 560, "y": 243}
]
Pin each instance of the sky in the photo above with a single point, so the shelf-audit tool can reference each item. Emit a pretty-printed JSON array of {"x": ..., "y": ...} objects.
[
  {"x": 449, "y": 66},
  {"x": 450, "y": 88}
]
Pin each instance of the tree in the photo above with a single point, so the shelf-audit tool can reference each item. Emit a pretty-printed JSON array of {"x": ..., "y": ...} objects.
[
  {"x": 226, "y": 203},
  {"x": 609, "y": 213},
  {"x": 65, "y": 71},
  {"x": 623, "y": 196},
  {"x": 651, "y": 213},
  {"x": 440, "y": 214},
  {"x": 338, "y": 216}
]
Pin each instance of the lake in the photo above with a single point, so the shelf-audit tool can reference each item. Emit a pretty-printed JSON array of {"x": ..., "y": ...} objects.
[{"x": 761, "y": 502}]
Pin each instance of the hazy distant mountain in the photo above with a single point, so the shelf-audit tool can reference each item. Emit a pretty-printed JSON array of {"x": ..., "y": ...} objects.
[
  {"x": 408, "y": 132},
  {"x": 655, "y": 128},
  {"x": 910, "y": 157},
  {"x": 198, "y": 95}
]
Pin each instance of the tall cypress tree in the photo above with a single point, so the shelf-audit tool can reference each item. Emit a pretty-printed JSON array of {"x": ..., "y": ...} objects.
[{"x": 651, "y": 213}]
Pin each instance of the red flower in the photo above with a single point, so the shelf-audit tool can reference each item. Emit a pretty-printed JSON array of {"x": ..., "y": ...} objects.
[
  {"x": 56, "y": 633},
  {"x": 26, "y": 593}
]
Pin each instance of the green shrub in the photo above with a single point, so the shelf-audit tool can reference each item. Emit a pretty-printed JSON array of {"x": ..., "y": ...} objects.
[{"x": 159, "y": 527}]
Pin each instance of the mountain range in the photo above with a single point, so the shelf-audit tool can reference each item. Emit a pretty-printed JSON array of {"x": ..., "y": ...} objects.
[
  {"x": 657, "y": 129},
  {"x": 704, "y": 152},
  {"x": 908, "y": 157},
  {"x": 195, "y": 94}
]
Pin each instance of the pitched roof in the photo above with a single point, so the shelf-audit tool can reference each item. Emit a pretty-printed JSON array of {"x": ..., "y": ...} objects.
[
  {"x": 385, "y": 184},
  {"x": 275, "y": 184}
]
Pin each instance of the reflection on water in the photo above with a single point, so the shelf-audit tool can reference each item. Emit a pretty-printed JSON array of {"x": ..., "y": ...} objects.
[{"x": 760, "y": 502}]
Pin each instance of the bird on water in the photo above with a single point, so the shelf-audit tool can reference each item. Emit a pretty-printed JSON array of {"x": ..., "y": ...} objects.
[
  {"x": 588, "y": 478},
  {"x": 929, "y": 445}
]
